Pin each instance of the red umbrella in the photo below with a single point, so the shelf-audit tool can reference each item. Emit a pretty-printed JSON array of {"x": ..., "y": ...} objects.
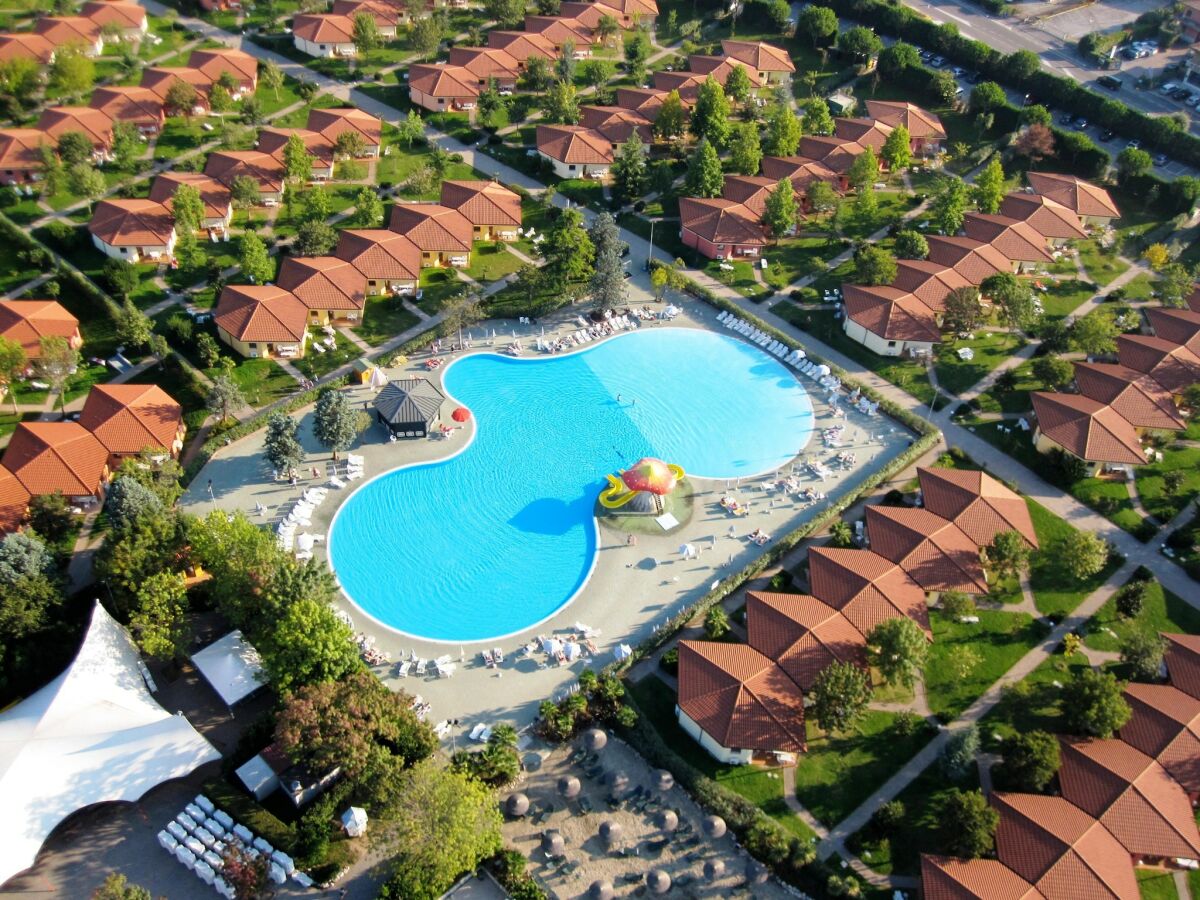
[
  {"x": 461, "y": 414},
  {"x": 649, "y": 474}
]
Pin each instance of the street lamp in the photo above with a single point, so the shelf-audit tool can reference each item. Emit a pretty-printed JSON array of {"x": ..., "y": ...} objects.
[{"x": 649, "y": 257}]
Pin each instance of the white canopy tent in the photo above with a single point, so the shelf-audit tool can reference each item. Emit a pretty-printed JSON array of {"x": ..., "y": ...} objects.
[
  {"x": 92, "y": 735},
  {"x": 231, "y": 666}
]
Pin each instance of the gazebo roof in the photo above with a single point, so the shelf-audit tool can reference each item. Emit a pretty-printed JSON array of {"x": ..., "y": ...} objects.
[{"x": 409, "y": 400}]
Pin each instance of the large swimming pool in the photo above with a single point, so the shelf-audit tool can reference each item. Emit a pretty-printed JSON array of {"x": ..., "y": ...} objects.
[{"x": 502, "y": 535}]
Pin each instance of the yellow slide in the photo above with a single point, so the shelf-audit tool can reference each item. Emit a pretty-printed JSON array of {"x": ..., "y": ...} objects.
[{"x": 616, "y": 494}]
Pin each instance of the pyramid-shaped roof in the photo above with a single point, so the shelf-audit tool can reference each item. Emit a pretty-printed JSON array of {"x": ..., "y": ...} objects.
[
  {"x": 130, "y": 418},
  {"x": 977, "y": 503},
  {"x": 1173, "y": 366},
  {"x": 433, "y": 227},
  {"x": 867, "y": 588},
  {"x": 261, "y": 313},
  {"x": 28, "y": 321},
  {"x": 1077, "y": 195},
  {"x": 1165, "y": 724},
  {"x": 890, "y": 313},
  {"x": 49, "y": 457},
  {"x": 323, "y": 282},
  {"x": 1049, "y": 217},
  {"x": 928, "y": 281},
  {"x": 379, "y": 254},
  {"x": 1086, "y": 428},
  {"x": 760, "y": 56},
  {"x": 1138, "y": 398},
  {"x": 974, "y": 260},
  {"x": 802, "y": 634},
  {"x": 1183, "y": 661},
  {"x": 935, "y": 552},
  {"x": 483, "y": 202},
  {"x": 946, "y": 878}
]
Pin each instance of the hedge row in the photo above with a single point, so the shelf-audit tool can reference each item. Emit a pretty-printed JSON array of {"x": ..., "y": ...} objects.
[{"x": 64, "y": 271}]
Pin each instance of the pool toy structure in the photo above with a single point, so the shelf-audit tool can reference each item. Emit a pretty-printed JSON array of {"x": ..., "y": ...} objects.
[{"x": 642, "y": 486}]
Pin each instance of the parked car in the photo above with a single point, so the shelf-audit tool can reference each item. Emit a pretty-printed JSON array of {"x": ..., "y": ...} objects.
[
  {"x": 1134, "y": 144},
  {"x": 1066, "y": 119},
  {"x": 1181, "y": 94},
  {"x": 1168, "y": 87},
  {"x": 937, "y": 62},
  {"x": 1160, "y": 160},
  {"x": 1081, "y": 124},
  {"x": 1107, "y": 135},
  {"x": 1193, "y": 101}
]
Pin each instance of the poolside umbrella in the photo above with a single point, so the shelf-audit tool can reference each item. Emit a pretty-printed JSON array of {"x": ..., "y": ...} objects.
[
  {"x": 516, "y": 805},
  {"x": 553, "y": 844},
  {"x": 551, "y": 645},
  {"x": 570, "y": 650},
  {"x": 714, "y": 869},
  {"x": 667, "y": 820},
  {"x": 756, "y": 872},
  {"x": 595, "y": 739},
  {"x": 664, "y": 780},
  {"x": 658, "y": 881},
  {"x": 378, "y": 378},
  {"x": 461, "y": 414},
  {"x": 354, "y": 820},
  {"x": 568, "y": 786},
  {"x": 623, "y": 651},
  {"x": 619, "y": 782},
  {"x": 650, "y": 475},
  {"x": 714, "y": 827},
  {"x": 600, "y": 890},
  {"x": 610, "y": 832}
]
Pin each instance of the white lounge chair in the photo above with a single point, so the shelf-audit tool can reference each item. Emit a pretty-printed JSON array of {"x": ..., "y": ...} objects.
[
  {"x": 337, "y": 482},
  {"x": 263, "y": 845},
  {"x": 402, "y": 672},
  {"x": 204, "y": 803},
  {"x": 185, "y": 856},
  {"x": 206, "y": 837},
  {"x": 167, "y": 841},
  {"x": 284, "y": 861},
  {"x": 205, "y": 872},
  {"x": 224, "y": 818},
  {"x": 195, "y": 812},
  {"x": 243, "y": 834},
  {"x": 188, "y": 823}
]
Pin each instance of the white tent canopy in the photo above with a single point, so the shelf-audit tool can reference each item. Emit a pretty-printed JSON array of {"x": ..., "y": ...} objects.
[
  {"x": 231, "y": 666},
  {"x": 354, "y": 820},
  {"x": 92, "y": 735}
]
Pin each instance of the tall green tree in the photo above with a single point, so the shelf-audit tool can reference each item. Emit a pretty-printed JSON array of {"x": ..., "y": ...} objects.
[
  {"x": 1142, "y": 653},
  {"x": 1093, "y": 704},
  {"x": 821, "y": 197},
  {"x": 568, "y": 251},
  {"x": 966, "y": 824},
  {"x": 71, "y": 72},
  {"x": 897, "y": 647},
  {"x": 12, "y": 364},
  {"x": 860, "y": 43},
  {"x": 874, "y": 265},
  {"x": 368, "y": 208},
  {"x": 127, "y": 145},
  {"x": 187, "y": 208},
  {"x": 819, "y": 24},
  {"x": 949, "y": 206},
  {"x": 704, "y": 176},
  {"x": 159, "y": 623},
  {"x": 366, "y": 33},
  {"x": 897, "y": 59},
  {"x": 281, "y": 446},
  {"x": 840, "y": 695},
  {"x": 607, "y": 283},
  {"x": 911, "y": 245},
  {"x": 256, "y": 263},
  {"x": 1031, "y": 760},
  {"x": 117, "y": 887},
  {"x": 629, "y": 170},
  {"x": 864, "y": 171},
  {"x": 637, "y": 52},
  {"x": 307, "y": 644},
  {"x": 425, "y": 35},
  {"x": 963, "y": 311},
  {"x": 783, "y": 131},
  {"x": 1174, "y": 284},
  {"x": 897, "y": 149},
  {"x": 56, "y": 361},
  {"x": 133, "y": 326},
  {"x": 1008, "y": 554},
  {"x": 989, "y": 187},
  {"x": 224, "y": 397},
  {"x": 780, "y": 210},
  {"x": 1012, "y": 296},
  {"x": 181, "y": 99},
  {"x": 1095, "y": 334},
  {"x": 296, "y": 160},
  {"x": 672, "y": 120},
  {"x": 270, "y": 76},
  {"x": 507, "y": 13},
  {"x": 564, "y": 66},
  {"x": 335, "y": 421},
  {"x": 745, "y": 151},
  {"x": 710, "y": 115},
  {"x": 315, "y": 239},
  {"x": 817, "y": 119},
  {"x": 561, "y": 105},
  {"x": 737, "y": 86}
]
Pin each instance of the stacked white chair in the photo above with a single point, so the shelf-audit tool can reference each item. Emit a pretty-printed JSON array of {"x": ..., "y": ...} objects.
[
  {"x": 167, "y": 841},
  {"x": 205, "y": 804},
  {"x": 205, "y": 872},
  {"x": 223, "y": 888}
]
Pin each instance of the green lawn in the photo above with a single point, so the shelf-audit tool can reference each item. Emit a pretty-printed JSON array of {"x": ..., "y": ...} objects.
[
  {"x": 437, "y": 287},
  {"x": 890, "y": 209},
  {"x": 793, "y": 258},
  {"x": 740, "y": 277},
  {"x": 1140, "y": 287},
  {"x": 1163, "y": 611},
  {"x": 990, "y": 349},
  {"x": 1151, "y": 488},
  {"x": 1101, "y": 264},
  {"x": 1055, "y": 591},
  {"x": 490, "y": 262},
  {"x": 1156, "y": 885},
  {"x": 1015, "y": 400},
  {"x": 1061, "y": 298},
  {"x": 315, "y": 364},
  {"x": 384, "y": 318},
  {"x": 1033, "y": 703}
]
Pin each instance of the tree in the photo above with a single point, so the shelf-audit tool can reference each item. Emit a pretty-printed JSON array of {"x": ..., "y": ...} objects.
[
  {"x": 1133, "y": 162},
  {"x": 819, "y": 23},
  {"x": 817, "y": 119},
  {"x": 710, "y": 115},
  {"x": 897, "y": 59},
  {"x": 821, "y": 197},
  {"x": 966, "y": 824},
  {"x": 159, "y": 622},
  {"x": 672, "y": 120},
  {"x": 1031, "y": 760},
  {"x": 1157, "y": 256},
  {"x": 716, "y": 623},
  {"x": 560, "y": 105},
  {"x": 207, "y": 348},
  {"x": 897, "y": 647},
  {"x": 368, "y": 208},
  {"x": 1093, "y": 706},
  {"x": 864, "y": 171},
  {"x": 841, "y": 535},
  {"x": 246, "y": 874},
  {"x": 1131, "y": 599},
  {"x": 12, "y": 364},
  {"x": 1012, "y": 296},
  {"x": 86, "y": 180},
  {"x": 958, "y": 755},
  {"x": 1083, "y": 554},
  {"x": 253, "y": 258},
  {"x": 56, "y": 361},
  {"x": 507, "y": 13},
  {"x": 187, "y": 208},
  {"x": 243, "y": 191},
  {"x": 1053, "y": 371},
  {"x": 1035, "y": 114},
  {"x": 780, "y": 210},
  {"x": 425, "y": 35},
  {"x": 297, "y": 162},
  {"x": 133, "y": 326},
  {"x": 1008, "y": 554},
  {"x": 219, "y": 98},
  {"x": 568, "y": 251},
  {"x": 181, "y": 98},
  {"x": 704, "y": 177},
  {"x": 596, "y": 74},
  {"x": 117, "y": 887},
  {"x": 840, "y": 694},
  {"x": 489, "y": 104},
  {"x": 985, "y": 97},
  {"x": 127, "y": 144},
  {"x": 989, "y": 187},
  {"x": 911, "y": 245},
  {"x": 411, "y": 127},
  {"x": 874, "y": 265},
  {"x": 307, "y": 644},
  {"x": 23, "y": 554},
  {"x": 956, "y": 604},
  {"x": 659, "y": 279},
  {"x": 315, "y": 239},
  {"x": 607, "y": 29},
  {"x": 315, "y": 205},
  {"x": 19, "y": 79},
  {"x": 121, "y": 277},
  {"x": 1035, "y": 142},
  {"x": 223, "y": 397},
  {"x": 128, "y": 501},
  {"x": 335, "y": 421},
  {"x": 1095, "y": 334},
  {"x": 72, "y": 72},
  {"x": 50, "y": 516},
  {"x": 745, "y": 151},
  {"x": 949, "y": 206},
  {"x": 737, "y": 86},
  {"x": 897, "y": 149},
  {"x": 564, "y": 66},
  {"x": 1142, "y": 651},
  {"x": 537, "y": 75},
  {"x": 607, "y": 283},
  {"x": 1174, "y": 284},
  {"x": 270, "y": 76},
  {"x": 637, "y": 51},
  {"x": 860, "y": 43},
  {"x": 281, "y": 446},
  {"x": 783, "y": 130},
  {"x": 629, "y": 169},
  {"x": 366, "y": 33}
]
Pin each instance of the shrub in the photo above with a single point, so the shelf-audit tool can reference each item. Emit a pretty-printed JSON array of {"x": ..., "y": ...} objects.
[{"x": 669, "y": 661}]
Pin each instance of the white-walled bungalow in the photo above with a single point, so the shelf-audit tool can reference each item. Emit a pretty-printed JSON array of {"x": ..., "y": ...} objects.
[
  {"x": 486, "y": 65},
  {"x": 21, "y": 154},
  {"x": 262, "y": 320},
  {"x": 215, "y": 62},
  {"x": 889, "y": 321},
  {"x": 138, "y": 106},
  {"x": 925, "y": 130},
  {"x": 575, "y": 151},
  {"x": 330, "y": 123},
  {"x": 332, "y": 289},
  {"x": 439, "y": 87},
  {"x": 274, "y": 141},
  {"x": 1092, "y": 204},
  {"x": 388, "y": 16},
  {"x": 26, "y": 45},
  {"x": 216, "y": 197},
  {"x": 268, "y": 172},
  {"x": 160, "y": 79},
  {"x": 493, "y": 210},
  {"x": 773, "y": 64},
  {"x": 94, "y": 124},
  {"x": 72, "y": 31},
  {"x": 129, "y": 18},
  {"x": 1087, "y": 429},
  {"x": 133, "y": 230},
  {"x": 324, "y": 35},
  {"x": 443, "y": 235}
]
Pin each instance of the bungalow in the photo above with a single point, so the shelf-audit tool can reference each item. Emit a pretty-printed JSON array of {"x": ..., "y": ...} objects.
[
  {"x": 934, "y": 551},
  {"x": 58, "y": 457},
  {"x": 214, "y": 63},
  {"x": 720, "y": 229},
  {"x": 889, "y": 321},
  {"x": 1138, "y": 399},
  {"x": 574, "y": 151},
  {"x": 388, "y": 17},
  {"x": 138, "y": 106},
  {"x": 130, "y": 418},
  {"x": 26, "y": 45},
  {"x": 635, "y": 12},
  {"x": 977, "y": 503},
  {"x": 487, "y": 65},
  {"x": 1017, "y": 240},
  {"x": 835, "y": 153},
  {"x": 72, "y": 31},
  {"x": 773, "y": 64},
  {"x": 21, "y": 154},
  {"x": 1086, "y": 429},
  {"x": 274, "y": 141},
  {"x": 719, "y": 67},
  {"x": 928, "y": 281},
  {"x": 159, "y": 79},
  {"x": 14, "y": 502},
  {"x": 589, "y": 14},
  {"x": 520, "y": 45},
  {"x": 803, "y": 635},
  {"x": 268, "y": 172},
  {"x": 324, "y": 35},
  {"x": 493, "y": 210},
  {"x": 751, "y": 191},
  {"x": 560, "y": 31},
  {"x": 333, "y": 122},
  {"x": 925, "y": 130},
  {"x": 1179, "y": 326},
  {"x": 645, "y": 101},
  {"x": 133, "y": 230},
  {"x": 734, "y": 702},
  {"x": 26, "y": 322},
  {"x": 614, "y": 124},
  {"x": 867, "y": 132},
  {"x": 1173, "y": 366},
  {"x": 687, "y": 83},
  {"x": 216, "y": 197},
  {"x": 443, "y": 235},
  {"x": 129, "y": 18},
  {"x": 1165, "y": 725},
  {"x": 1049, "y": 218},
  {"x": 56, "y": 121},
  {"x": 866, "y": 588},
  {"x": 1092, "y": 204},
  {"x": 332, "y": 289},
  {"x": 802, "y": 172},
  {"x": 440, "y": 87},
  {"x": 262, "y": 320},
  {"x": 389, "y": 261},
  {"x": 974, "y": 260}
]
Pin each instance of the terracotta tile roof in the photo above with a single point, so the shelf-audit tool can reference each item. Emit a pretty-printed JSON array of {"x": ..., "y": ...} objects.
[
  {"x": 920, "y": 122},
  {"x": 560, "y": 29},
  {"x": 483, "y": 202},
  {"x": 867, "y": 132},
  {"x": 1138, "y": 398},
  {"x": 1086, "y": 428},
  {"x": 26, "y": 46},
  {"x": 751, "y": 191},
  {"x": 28, "y": 321},
  {"x": 834, "y": 152},
  {"x": 1075, "y": 194},
  {"x": 721, "y": 221},
  {"x": 520, "y": 46},
  {"x": 215, "y": 196},
  {"x": 973, "y": 260},
  {"x": 20, "y": 148},
  {"x": 1193, "y": 299},
  {"x": 130, "y": 418},
  {"x": 1012, "y": 237},
  {"x": 647, "y": 101},
  {"x": 385, "y": 14},
  {"x": 56, "y": 456},
  {"x": 739, "y": 697},
  {"x": 160, "y": 78},
  {"x": 615, "y": 124},
  {"x": 114, "y": 12},
  {"x": 800, "y": 171},
  {"x": 1166, "y": 725},
  {"x": 273, "y": 141},
  {"x": 261, "y": 313},
  {"x": 485, "y": 63},
  {"x": 929, "y": 281},
  {"x": 96, "y": 125},
  {"x": 719, "y": 67},
  {"x": 14, "y": 501},
  {"x": 1179, "y": 326},
  {"x": 63, "y": 30},
  {"x": 226, "y": 165},
  {"x": 380, "y": 254},
  {"x": 890, "y": 313},
  {"x": 977, "y": 503},
  {"x": 132, "y": 223},
  {"x": 866, "y": 587},
  {"x": 802, "y": 634},
  {"x": 432, "y": 227},
  {"x": 588, "y": 14},
  {"x": 759, "y": 56},
  {"x": 323, "y": 282},
  {"x": 1174, "y": 367},
  {"x": 452, "y": 82},
  {"x": 332, "y": 122},
  {"x": 936, "y": 553},
  {"x": 238, "y": 63},
  {"x": 574, "y": 144},
  {"x": 1131, "y": 795},
  {"x": 323, "y": 28},
  {"x": 636, "y": 7},
  {"x": 1183, "y": 662},
  {"x": 945, "y": 878},
  {"x": 1049, "y": 217},
  {"x": 687, "y": 83},
  {"x": 1061, "y": 850},
  {"x": 129, "y": 104}
]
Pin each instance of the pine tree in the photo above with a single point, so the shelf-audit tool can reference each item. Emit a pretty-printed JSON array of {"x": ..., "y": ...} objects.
[
  {"x": 335, "y": 421},
  {"x": 704, "y": 176},
  {"x": 281, "y": 446},
  {"x": 780, "y": 212},
  {"x": 607, "y": 284},
  {"x": 710, "y": 115},
  {"x": 783, "y": 131},
  {"x": 629, "y": 169}
]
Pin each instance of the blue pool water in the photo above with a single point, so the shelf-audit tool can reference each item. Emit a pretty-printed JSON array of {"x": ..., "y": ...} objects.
[{"x": 502, "y": 535}]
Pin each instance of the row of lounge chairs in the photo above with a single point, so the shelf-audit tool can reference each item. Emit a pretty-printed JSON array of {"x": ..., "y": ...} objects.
[{"x": 767, "y": 342}]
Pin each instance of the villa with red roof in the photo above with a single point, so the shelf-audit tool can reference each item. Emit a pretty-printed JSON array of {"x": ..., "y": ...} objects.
[
  {"x": 720, "y": 229},
  {"x": 493, "y": 210},
  {"x": 58, "y": 457},
  {"x": 21, "y": 154},
  {"x": 719, "y": 67},
  {"x": 928, "y": 281},
  {"x": 137, "y": 105},
  {"x": 925, "y": 130},
  {"x": 324, "y": 35},
  {"x": 26, "y": 45},
  {"x": 1179, "y": 326},
  {"x": 129, "y": 18},
  {"x": 27, "y": 322},
  {"x": 330, "y": 123},
  {"x": 616, "y": 124},
  {"x": 216, "y": 197},
  {"x": 266, "y": 171},
  {"x": 865, "y": 587},
  {"x": 1092, "y": 204},
  {"x": 561, "y": 31},
  {"x": 888, "y": 320},
  {"x": 574, "y": 151},
  {"x": 133, "y": 230},
  {"x": 14, "y": 502},
  {"x": 389, "y": 261},
  {"x": 92, "y": 123},
  {"x": 262, "y": 320},
  {"x": 130, "y": 418},
  {"x": 333, "y": 289},
  {"x": 772, "y": 64},
  {"x": 1172, "y": 365},
  {"x": 441, "y": 87},
  {"x": 977, "y": 503},
  {"x": 934, "y": 551},
  {"x": 388, "y": 16},
  {"x": 1087, "y": 429},
  {"x": 443, "y": 235},
  {"x": 1017, "y": 240},
  {"x": 160, "y": 79},
  {"x": 974, "y": 260},
  {"x": 1049, "y": 218},
  {"x": 72, "y": 31},
  {"x": 1138, "y": 399},
  {"x": 521, "y": 46},
  {"x": 802, "y": 634},
  {"x": 1165, "y": 725},
  {"x": 486, "y": 64},
  {"x": 274, "y": 141},
  {"x": 215, "y": 62}
]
